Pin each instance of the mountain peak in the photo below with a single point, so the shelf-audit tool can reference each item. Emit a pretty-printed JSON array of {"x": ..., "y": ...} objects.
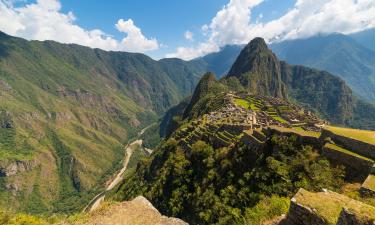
[
  {"x": 257, "y": 44},
  {"x": 254, "y": 53},
  {"x": 258, "y": 69}
]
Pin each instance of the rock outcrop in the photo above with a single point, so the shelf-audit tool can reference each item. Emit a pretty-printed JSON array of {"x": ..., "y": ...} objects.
[
  {"x": 15, "y": 167},
  {"x": 328, "y": 208},
  {"x": 139, "y": 211}
]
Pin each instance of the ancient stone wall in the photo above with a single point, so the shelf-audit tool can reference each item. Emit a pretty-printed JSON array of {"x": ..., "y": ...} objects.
[
  {"x": 301, "y": 139},
  {"x": 350, "y": 218},
  {"x": 351, "y": 161},
  {"x": 302, "y": 215},
  {"x": 359, "y": 147}
]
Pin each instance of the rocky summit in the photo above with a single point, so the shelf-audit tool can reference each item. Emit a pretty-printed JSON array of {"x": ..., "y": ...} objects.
[{"x": 138, "y": 211}]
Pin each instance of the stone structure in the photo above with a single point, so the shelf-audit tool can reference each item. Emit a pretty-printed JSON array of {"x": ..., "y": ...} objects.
[
  {"x": 307, "y": 208},
  {"x": 302, "y": 215},
  {"x": 356, "y": 146},
  {"x": 368, "y": 187},
  {"x": 301, "y": 138},
  {"x": 354, "y": 162}
]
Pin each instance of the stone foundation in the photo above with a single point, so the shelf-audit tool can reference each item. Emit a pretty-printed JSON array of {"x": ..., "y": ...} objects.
[
  {"x": 354, "y": 162},
  {"x": 356, "y": 146},
  {"x": 302, "y": 215}
]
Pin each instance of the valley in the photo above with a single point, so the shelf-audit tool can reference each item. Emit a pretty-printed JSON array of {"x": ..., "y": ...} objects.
[{"x": 115, "y": 132}]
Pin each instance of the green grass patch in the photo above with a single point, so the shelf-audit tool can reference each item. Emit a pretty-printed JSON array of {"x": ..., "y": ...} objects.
[
  {"x": 370, "y": 182},
  {"x": 329, "y": 205},
  {"x": 298, "y": 131},
  {"x": 241, "y": 102},
  {"x": 360, "y": 135},
  {"x": 278, "y": 118}
]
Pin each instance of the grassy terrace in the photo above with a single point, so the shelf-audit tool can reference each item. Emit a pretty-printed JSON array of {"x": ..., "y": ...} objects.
[
  {"x": 297, "y": 130},
  {"x": 253, "y": 105},
  {"x": 329, "y": 205},
  {"x": 361, "y": 135},
  {"x": 343, "y": 150},
  {"x": 370, "y": 182}
]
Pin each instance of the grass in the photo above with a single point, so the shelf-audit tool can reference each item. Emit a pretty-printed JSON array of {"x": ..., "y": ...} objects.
[
  {"x": 243, "y": 103},
  {"x": 298, "y": 131},
  {"x": 278, "y": 118},
  {"x": 343, "y": 150},
  {"x": 329, "y": 205},
  {"x": 360, "y": 135},
  {"x": 370, "y": 182}
]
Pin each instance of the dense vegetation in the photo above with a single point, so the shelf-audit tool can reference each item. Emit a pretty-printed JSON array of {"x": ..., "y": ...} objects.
[
  {"x": 229, "y": 185},
  {"x": 65, "y": 112}
]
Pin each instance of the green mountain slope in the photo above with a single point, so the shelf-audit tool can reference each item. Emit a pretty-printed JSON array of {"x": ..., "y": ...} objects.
[
  {"x": 213, "y": 169},
  {"x": 66, "y": 110},
  {"x": 243, "y": 145},
  {"x": 258, "y": 69},
  {"x": 337, "y": 54},
  {"x": 365, "y": 38},
  {"x": 349, "y": 57}
]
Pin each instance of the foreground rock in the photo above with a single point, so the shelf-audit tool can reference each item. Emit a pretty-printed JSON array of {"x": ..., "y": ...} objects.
[
  {"x": 328, "y": 208},
  {"x": 137, "y": 211}
]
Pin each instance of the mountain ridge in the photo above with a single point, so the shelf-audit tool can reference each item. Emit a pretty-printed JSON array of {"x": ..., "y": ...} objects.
[
  {"x": 67, "y": 110},
  {"x": 324, "y": 52}
]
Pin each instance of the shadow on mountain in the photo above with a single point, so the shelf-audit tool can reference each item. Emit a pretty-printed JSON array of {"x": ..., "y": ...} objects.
[{"x": 4, "y": 49}]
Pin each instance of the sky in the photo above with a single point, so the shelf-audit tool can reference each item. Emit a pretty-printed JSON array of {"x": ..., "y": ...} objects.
[{"x": 176, "y": 28}]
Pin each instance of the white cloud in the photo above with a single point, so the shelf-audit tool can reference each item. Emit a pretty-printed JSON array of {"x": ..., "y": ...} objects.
[
  {"x": 135, "y": 41},
  {"x": 189, "y": 35},
  {"x": 233, "y": 25},
  {"x": 44, "y": 21}
]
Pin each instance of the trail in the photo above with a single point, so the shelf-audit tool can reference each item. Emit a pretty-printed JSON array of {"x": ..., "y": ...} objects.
[{"x": 129, "y": 149}]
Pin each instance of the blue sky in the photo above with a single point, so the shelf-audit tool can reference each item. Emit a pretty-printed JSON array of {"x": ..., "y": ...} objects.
[
  {"x": 166, "y": 20},
  {"x": 183, "y": 29}
]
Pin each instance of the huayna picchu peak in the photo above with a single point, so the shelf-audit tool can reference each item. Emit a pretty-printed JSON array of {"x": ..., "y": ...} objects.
[
  {"x": 259, "y": 70},
  {"x": 263, "y": 114}
]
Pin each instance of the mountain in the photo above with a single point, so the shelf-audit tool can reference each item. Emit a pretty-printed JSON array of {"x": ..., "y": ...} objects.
[
  {"x": 345, "y": 56},
  {"x": 258, "y": 70},
  {"x": 243, "y": 145},
  {"x": 66, "y": 111},
  {"x": 337, "y": 54},
  {"x": 220, "y": 62},
  {"x": 365, "y": 38}
]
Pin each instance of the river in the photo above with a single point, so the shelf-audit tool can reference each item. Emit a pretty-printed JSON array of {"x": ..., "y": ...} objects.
[{"x": 129, "y": 148}]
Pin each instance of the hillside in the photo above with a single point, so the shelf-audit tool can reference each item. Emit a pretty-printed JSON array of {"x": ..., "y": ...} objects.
[
  {"x": 349, "y": 57},
  {"x": 241, "y": 158},
  {"x": 259, "y": 71},
  {"x": 245, "y": 144},
  {"x": 365, "y": 38},
  {"x": 66, "y": 111},
  {"x": 220, "y": 62},
  {"x": 337, "y": 54}
]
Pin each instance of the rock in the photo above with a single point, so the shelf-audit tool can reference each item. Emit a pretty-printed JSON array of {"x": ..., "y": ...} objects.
[
  {"x": 139, "y": 211},
  {"x": 16, "y": 167},
  {"x": 5, "y": 86}
]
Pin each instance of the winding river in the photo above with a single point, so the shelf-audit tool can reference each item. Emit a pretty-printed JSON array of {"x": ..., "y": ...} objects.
[{"x": 129, "y": 148}]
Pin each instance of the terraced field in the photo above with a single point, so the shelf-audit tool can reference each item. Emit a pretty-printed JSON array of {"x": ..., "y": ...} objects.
[
  {"x": 361, "y": 135},
  {"x": 348, "y": 152}
]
